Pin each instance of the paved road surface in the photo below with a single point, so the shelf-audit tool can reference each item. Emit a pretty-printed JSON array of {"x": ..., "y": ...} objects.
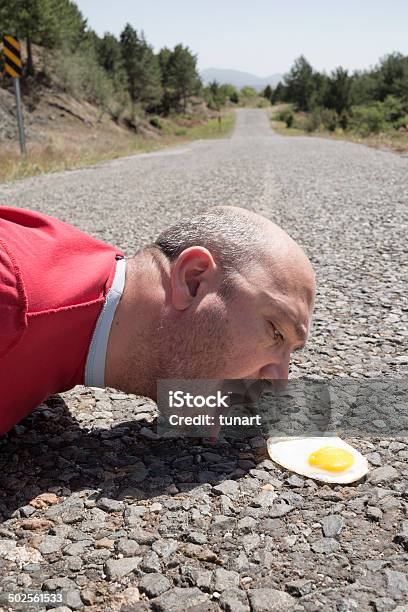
[{"x": 324, "y": 548}]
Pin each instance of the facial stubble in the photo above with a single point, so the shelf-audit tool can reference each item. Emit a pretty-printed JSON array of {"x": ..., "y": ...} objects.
[{"x": 197, "y": 345}]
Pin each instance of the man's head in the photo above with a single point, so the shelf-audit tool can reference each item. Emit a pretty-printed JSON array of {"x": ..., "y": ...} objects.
[{"x": 237, "y": 297}]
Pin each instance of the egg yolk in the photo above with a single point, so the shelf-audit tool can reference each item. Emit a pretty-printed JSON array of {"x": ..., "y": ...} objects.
[{"x": 331, "y": 458}]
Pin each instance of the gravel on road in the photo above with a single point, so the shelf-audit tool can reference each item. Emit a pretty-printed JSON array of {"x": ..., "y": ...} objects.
[{"x": 96, "y": 507}]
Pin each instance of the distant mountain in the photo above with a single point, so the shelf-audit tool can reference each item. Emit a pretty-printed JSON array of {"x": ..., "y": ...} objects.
[{"x": 238, "y": 78}]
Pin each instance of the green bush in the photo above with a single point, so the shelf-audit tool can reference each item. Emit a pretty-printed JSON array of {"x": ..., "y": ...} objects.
[
  {"x": 401, "y": 123},
  {"x": 329, "y": 119},
  {"x": 116, "y": 110},
  {"x": 248, "y": 92},
  {"x": 313, "y": 121},
  {"x": 263, "y": 103},
  {"x": 80, "y": 75},
  {"x": 368, "y": 119},
  {"x": 393, "y": 109},
  {"x": 133, "y": 116},
  {"x": 300, "y": 122},
  {"x": 119, "y": 105},
  {"x": 230, "y": 93},
  {"x": 344, "y": 120},
  {"x": 155, "y": 122},
  {"x": 379, "y": 116},
  {"x": 286, "y": 115}
]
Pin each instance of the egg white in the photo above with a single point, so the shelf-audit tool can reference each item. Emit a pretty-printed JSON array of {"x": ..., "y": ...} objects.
[{"x": 293, "y": 453}]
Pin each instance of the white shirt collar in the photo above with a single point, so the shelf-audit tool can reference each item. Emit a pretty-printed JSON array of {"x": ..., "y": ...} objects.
[{"x": 95, "y": 362}]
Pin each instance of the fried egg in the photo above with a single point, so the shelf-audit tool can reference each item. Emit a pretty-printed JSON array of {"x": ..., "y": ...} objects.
[{"x": 329, "y": 459}]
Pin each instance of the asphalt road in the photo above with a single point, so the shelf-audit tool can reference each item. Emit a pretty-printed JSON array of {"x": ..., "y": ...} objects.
[{"x": 331, "y": 547}]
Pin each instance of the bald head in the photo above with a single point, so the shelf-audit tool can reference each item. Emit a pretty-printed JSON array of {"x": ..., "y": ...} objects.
[
  {"x": 230, "y": 233},
  {"x": 238, "y": 239}
]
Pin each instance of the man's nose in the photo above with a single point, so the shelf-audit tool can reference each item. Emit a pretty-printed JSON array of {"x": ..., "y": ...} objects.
[
  {"x": 277, "y": 375},
  {"x": 276, "y": 371}
]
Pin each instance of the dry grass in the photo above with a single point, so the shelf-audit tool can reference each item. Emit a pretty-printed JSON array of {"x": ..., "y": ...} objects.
[
  {"x": 211, "y": 128},
  {"x": 53, "y": 158},
  {"x": 63, "y": 152},
  {"x": 393, "y": 140}
]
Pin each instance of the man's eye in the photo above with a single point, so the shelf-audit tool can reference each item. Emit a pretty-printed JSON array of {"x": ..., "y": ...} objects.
[{"x": 276, "y": 333}]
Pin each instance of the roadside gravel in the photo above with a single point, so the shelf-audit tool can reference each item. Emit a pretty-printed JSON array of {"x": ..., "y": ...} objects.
[{"x": 96, "y": 506}]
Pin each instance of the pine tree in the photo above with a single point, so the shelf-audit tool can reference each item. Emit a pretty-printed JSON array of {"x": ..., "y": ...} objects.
[
  {"x": 167, "y": 102},
  {"x": 110, "y": 58},
  {"x": 164, "y": 56},
  {"x": 392, "y": 76},
  {"x": 142, "y": 68},
  {"x": 339, "y": 91},
  {"x": 299, "y": 84},
  {"x": 182, "y": 77},
  {"x": 267, "y": 92},
  {"x": 278, "y": 93}
]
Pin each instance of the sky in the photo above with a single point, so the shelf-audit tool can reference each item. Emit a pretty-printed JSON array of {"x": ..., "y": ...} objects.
[{"x": 263, "y": 36}]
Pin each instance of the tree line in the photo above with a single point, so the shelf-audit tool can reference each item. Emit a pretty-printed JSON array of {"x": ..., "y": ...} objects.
[
  {"x": 368, "y": 100},
  {"x": 127, "y": 78},
  {"x": 107, "y": 70}
]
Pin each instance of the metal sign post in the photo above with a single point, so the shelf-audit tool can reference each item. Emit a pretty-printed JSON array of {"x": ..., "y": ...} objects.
[
  {"x": 14, "y": 67},
  {"x": 20, "y": 117}
]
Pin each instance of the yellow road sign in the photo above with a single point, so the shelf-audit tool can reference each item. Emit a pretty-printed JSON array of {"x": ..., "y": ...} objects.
[
  {"x": 14, "y": 67},
  {"x": 12, "y": 56}
]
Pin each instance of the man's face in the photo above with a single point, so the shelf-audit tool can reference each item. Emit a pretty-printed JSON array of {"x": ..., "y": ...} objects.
[
  {"x": 269, "y": 321},
  {"x": 248, "y": 335}
]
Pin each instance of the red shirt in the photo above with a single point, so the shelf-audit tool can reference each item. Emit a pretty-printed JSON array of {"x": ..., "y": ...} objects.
[{"x": 53, "y": 283}]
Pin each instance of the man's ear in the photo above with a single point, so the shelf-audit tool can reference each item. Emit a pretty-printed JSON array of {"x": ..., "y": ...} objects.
[{"x": 191, "y": 274}]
